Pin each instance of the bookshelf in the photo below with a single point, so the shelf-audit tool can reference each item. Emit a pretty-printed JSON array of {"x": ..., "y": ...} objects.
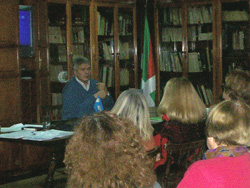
[
  {"x": 102, "y": 31},
  {"x": 184, "y": 43},
  {"x": 234, "y": 26},
  {"x": 117, "y": 41},
  {"x": 68, "y": 37},
  {"x": 215, "y": 31}
]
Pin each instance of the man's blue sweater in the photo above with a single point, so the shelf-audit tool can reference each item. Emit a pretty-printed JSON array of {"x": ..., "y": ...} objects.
[{"x": 78, "y": 102}]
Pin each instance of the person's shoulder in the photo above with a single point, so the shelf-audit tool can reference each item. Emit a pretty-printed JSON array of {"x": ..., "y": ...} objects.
[{"x": 70, "y": 84}]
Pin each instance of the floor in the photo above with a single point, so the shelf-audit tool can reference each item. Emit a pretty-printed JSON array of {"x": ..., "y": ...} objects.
[{"x": 60, "y": 179}]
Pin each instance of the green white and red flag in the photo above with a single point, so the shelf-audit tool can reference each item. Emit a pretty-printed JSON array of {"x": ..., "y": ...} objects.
[{"x": 148, "y": 84}]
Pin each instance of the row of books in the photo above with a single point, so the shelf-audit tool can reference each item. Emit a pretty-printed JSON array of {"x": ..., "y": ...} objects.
[
  {"x": 56, "y": 100},
  {"x": 205, "y": 94},
  {"x": 196, "y": 15},
  {"x": 234, "y": 37},
  {"x": 57, "y": 35},
  {"x": 173, "y": 34},
  {"x": 106, "y": 75},
  {"x": 199, "y": 14},
  {"x": 105, "y": 25},
  {"x": 238, "y": 40},
  {"x": 171, "y": 61},
  {"x": 106, "y": 50},
  {"x": 197, "y": 61},
  {"x": 125, "y": 25},
  {"x": 58, "y": 53},
  {"x": 236, "y": 15}
]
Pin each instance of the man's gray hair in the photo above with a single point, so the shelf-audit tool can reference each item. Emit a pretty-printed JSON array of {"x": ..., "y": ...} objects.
[{"x": 80, "y": 60}]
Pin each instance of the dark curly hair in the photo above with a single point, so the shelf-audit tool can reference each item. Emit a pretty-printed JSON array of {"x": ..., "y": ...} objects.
[
  {"x": 237, "y": 85},
  {"x": 106, "y": 151}
]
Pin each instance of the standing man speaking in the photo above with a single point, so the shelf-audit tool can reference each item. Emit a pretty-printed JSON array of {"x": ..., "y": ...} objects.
[{"x": 81, "y": 92}]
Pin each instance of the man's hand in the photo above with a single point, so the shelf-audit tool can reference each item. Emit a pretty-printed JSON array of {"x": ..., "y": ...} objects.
[
  {"x": 101, "y": 93},
  {"x": 101, "y": 86}
]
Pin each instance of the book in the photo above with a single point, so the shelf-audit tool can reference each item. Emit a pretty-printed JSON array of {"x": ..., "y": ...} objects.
[
  {"x": 204, "y": 93},
  {"x": 110, "y": 77},
  {"x": 104, "y": 74},
  {"x": 124, "y": 77}
]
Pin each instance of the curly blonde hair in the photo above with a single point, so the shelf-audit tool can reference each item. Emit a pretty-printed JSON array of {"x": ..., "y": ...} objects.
[{"x": 106, "y": 151}]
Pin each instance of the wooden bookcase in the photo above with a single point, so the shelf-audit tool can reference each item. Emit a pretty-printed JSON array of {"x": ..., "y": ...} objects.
[
  {"x": 234, "y": 29},
  {"x": 184, "y": 36},
  {"x": 116, "y": 41},
  {"x": 103, "y": 31},
  {"x": 218, "y": 31},
  {"x": 77, "y": 20}
]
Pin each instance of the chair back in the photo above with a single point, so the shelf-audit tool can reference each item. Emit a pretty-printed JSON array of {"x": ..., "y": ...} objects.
[{"x": 179, "y": 158}]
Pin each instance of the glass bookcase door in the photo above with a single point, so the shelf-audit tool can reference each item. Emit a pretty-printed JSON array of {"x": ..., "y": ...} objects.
[
  {"x": 80, "y": 31},
  {"x": 235, "y": 36},
  {"x": 106, "y": 46},
  {"x": 170, "y": 43},
  {"x": 200, "y": 44},
  {"x": 126, "y": 48},
  {"x": 57, "y": 55},
  {"x": 78, "y": 43}
]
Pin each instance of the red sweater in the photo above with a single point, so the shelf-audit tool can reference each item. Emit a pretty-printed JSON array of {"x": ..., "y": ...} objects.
[
  {"x": 176, "y": 133},
  {"x": 220, "y": 172}
]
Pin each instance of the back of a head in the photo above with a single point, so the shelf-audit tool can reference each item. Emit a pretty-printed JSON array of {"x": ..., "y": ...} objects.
[
  {"x": 132, "y": 104},
  {"x": 181, "y": 102},
  {"x": 229, "y": 123},
  {"x": 237, "y": 85},
  {"x": 106, "y": 151}
]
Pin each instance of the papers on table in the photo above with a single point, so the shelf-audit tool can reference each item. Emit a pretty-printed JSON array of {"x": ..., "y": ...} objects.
[
  {"x": 37, "y": 135},
  {"x": 18, "y": 127}
]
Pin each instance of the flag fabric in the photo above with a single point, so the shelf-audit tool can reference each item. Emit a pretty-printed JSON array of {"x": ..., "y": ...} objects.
[
  {"x": 98, "y": 104},
  {"x": 148, "y": 84}
]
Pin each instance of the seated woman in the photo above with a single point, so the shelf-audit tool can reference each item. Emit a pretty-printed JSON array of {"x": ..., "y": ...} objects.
[
  {"x": 237, "y": 86},
  {"x": 106, "y": 151},
  {"x": 132, "y": 104},
  {"x": 227, "y": 161},
  {"x": 183, "y": 114}
]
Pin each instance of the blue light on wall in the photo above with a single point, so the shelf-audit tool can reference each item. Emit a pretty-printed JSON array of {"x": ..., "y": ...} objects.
[{"x": 25, "y": 28}]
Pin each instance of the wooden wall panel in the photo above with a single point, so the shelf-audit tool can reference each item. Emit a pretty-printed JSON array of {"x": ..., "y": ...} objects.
[
  {"x": 29, "y": 101},
  {"x": 10, "y": 158},
  {"x": 9, "y": 20},
  {"x": 10, "y": 105},
  {"x": 8, "y": 64},
  {"x": 10, "y": 101},
  {"x": 45, "y": 91}
]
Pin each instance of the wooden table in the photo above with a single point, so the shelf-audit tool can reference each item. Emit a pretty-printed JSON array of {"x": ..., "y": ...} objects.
[{"x": 58, "y": 147}]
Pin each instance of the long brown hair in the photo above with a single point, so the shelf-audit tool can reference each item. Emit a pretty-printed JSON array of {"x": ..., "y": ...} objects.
[{"x": 181, "y": 102}]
